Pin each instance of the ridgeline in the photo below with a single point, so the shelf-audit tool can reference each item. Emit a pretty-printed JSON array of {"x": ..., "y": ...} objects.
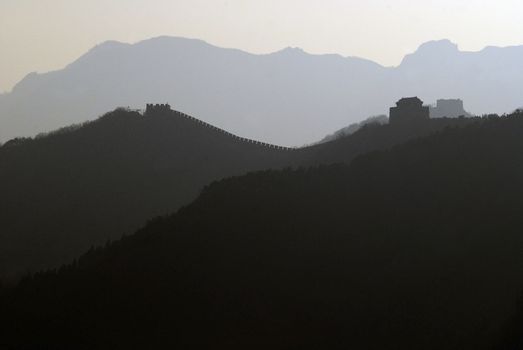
[
  {"x": 83, "y": 185},
  {"x": 415, "y": 247}
]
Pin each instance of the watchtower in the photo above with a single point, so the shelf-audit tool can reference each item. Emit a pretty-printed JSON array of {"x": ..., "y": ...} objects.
[
  {"x": 450, "y": 108},
  {"x": 409, "y": 110},
  {"x": 155, "y": 109}
]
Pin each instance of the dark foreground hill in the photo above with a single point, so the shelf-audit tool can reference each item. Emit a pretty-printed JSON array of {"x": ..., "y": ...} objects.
[
  {"x": 62, "y": 193},
  {"x": 418, "y": 247},
  {"x": 79, "y": 187}
]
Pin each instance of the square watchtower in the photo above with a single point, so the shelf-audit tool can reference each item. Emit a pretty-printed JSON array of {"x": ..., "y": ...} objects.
[{"x": 409, "y": 110}]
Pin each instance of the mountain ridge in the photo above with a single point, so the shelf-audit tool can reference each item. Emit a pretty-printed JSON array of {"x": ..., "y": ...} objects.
[
  {"x": 287, "y": 97},
  {"x": 139, "y": 166},
  {"x": 397, "y": 250}
]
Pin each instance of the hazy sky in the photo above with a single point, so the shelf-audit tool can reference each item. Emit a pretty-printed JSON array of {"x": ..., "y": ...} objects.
[{"x": 43, "y": 35}]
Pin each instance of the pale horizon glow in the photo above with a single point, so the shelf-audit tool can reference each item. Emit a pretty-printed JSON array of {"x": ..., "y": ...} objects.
[{"x": 45, "y": 35}]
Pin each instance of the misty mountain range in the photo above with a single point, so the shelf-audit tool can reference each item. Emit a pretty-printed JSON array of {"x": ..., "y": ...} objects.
[
  {"x": 385, "y": 235},
  {"x": 288, "y": 97}
]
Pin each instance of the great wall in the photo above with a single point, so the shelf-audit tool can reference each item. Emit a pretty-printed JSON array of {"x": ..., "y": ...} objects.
[{"x": 165, "y": 109}]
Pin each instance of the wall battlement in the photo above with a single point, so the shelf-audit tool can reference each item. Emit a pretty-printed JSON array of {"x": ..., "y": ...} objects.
[
  {"x": 152, "y": 109},
  {"x": 155, "y": 109}
]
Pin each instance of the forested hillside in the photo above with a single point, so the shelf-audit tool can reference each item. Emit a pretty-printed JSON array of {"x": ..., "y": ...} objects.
[
  {"x": 417, "y": 247},
  {"x": 86, "y": 184}
]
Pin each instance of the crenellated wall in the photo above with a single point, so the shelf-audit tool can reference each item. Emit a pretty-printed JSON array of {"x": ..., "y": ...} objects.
[{"x": 153, "y": 109}]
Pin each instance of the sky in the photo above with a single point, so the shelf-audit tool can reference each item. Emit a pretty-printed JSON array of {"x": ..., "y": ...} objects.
[{"x": 45, "y": 35}]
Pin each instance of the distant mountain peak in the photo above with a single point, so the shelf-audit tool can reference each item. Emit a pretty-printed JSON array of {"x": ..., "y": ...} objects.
[
  {"x": 289, "y": 50},
  {"x": 431, "y": 51},
  {"x": 101, "y": 49},
  {"x": 108, "y": 45},
  {"x": 444, "y": 45},
  {"x": 166, "y": 40},
  {"x": 27, "y": 80}
]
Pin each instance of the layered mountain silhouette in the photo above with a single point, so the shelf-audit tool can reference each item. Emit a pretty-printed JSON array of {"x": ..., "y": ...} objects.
[
  {"x": 351, "y": 129},
  {"x": 288, "y": 97},
  {"x": 83, "y": 185},
  {"x": 416, "y": 247}
]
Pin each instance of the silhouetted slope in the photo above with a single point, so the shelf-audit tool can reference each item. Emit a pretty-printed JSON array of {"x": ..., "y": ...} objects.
[
  {"x": 372, "y": 137},
  {"x": 418, "y": 247},
  {"x": 83, "y": 185},
  {"x": 62, "y": 193},
  {"x": 351, "y": 129}
]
